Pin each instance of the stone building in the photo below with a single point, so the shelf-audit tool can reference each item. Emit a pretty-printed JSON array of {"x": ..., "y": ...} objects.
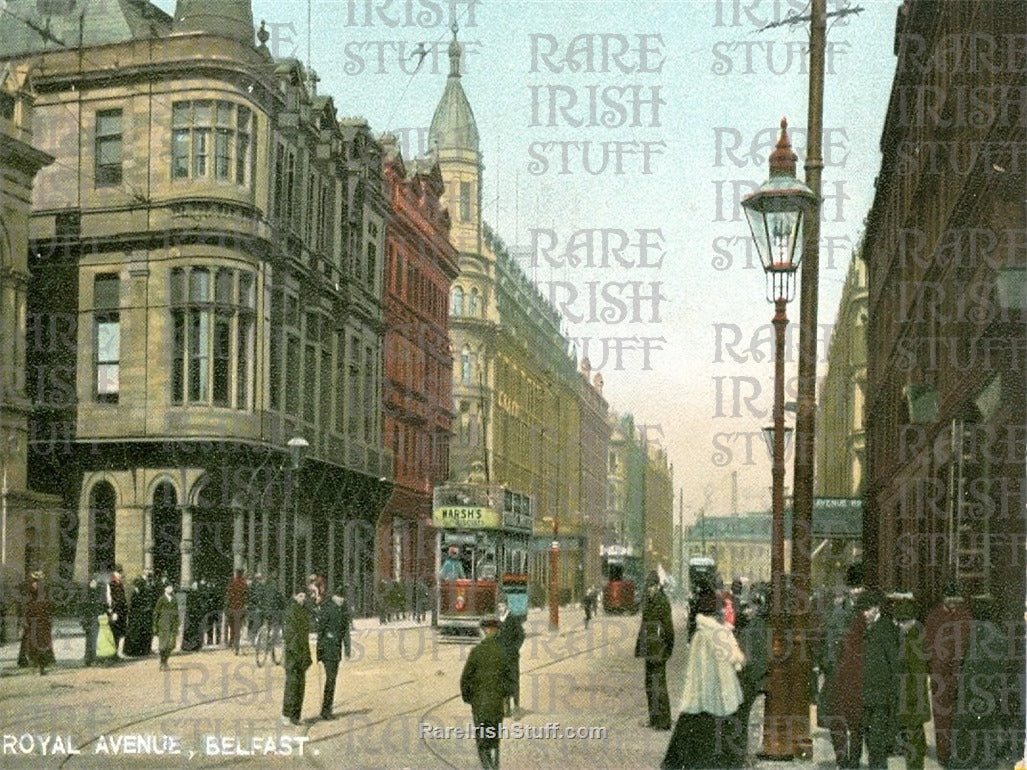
[
  {"x": 946, "y": 353},
  {"x": 525, "y": 414},
  {"x": 841, "y": 431},
  {"x": 207, "y": 257},
  {"x": 29, "y": 521},
  {"x": 420, "y": 265}
]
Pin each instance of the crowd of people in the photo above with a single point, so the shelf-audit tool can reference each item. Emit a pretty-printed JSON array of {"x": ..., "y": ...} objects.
[{"x": 880, "y": 672}]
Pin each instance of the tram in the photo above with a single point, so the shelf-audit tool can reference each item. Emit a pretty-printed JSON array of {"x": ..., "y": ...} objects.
[
  {"x": 623, "y": 573},
  {"x": 483, "y": 534}
]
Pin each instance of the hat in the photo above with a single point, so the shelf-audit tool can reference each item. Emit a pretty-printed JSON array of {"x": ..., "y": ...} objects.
[
  {"x": 952, "y": 590},
  {"x": 490, "y": 622},
  {"x": 37, "y": 575},
  {"x": 339, "y": 591},
  {"x": 867, "y": 599},
  {"x": 653, "y": 578},
  {"x": 854, "y": 575}
]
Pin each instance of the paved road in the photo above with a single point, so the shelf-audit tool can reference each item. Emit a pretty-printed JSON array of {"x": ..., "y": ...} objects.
[{"x": 397, "y": 700}]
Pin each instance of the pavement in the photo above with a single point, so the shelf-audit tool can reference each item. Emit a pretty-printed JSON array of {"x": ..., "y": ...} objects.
[{"x": 397, "y": 706}]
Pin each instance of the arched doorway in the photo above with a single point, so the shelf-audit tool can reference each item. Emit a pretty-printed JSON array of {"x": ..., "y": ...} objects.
[
  {"x": 102, "y": 518},
  {"x": 167, "y": 532}
]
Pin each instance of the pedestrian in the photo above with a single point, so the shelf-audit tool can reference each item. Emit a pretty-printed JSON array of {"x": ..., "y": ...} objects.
[
  {"x": 914, "y": 696},
  {"x": 839, "y": 704},
  {"x": 880, "y": 678},
  {"x": 704, "y": 733},
  {"x": 37, "y": 633},
  {"x": 333, "y": 634},
  {"x": 485, "y": 685},
  {"x": 982, "y": 724},
  {"x": 91, "y": 607},
  {"x": 235, "y": 608},
  {"x": 588, "y": 603},
  {"x": 117, "y": 603},
  {"x": 106, "y": 646},
  {"x": 138, "y": 635},
  {"x": 511, "y": 637},
  {"x": 947, "y": 632},
  {"x": 655, "y": 643},
  {"x": 752, "y": 631},
  {"x": 297, "y": 656},
  {"x": 195, "y": 617},
  {"x": 165, "y": 624}
]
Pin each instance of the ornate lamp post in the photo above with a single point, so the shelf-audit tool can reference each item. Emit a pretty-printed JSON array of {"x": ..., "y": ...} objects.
[{"x": 777, "y": 214}]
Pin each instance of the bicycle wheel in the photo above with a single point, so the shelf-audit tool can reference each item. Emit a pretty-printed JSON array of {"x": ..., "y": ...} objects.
[
  {"x": 275, "y": 643},
  {"x": 260, "y": 645}
]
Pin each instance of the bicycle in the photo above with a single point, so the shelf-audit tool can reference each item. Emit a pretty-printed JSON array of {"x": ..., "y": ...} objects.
[{"x": 268, "y": 640}]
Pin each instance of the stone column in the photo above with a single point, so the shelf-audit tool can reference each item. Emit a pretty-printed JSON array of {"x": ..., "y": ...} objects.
[
  {"x": 187, "y": 545},
  {"x": 148, "y": 538},
  {"x": 238, "y": 557}
]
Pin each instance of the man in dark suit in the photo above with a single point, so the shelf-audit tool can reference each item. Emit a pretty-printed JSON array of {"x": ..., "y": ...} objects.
[
  {"x": 297, "y": 656},
  {"x": 333, "y": 624},
  {"x": 485, "y": 684},
  {"x": 880, "y": 678},
  {"x": 655, "y": 643},
  {"x": 117, "y": 605}
]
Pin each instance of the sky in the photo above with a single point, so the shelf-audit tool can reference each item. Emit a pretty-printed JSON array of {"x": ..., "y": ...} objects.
[{"x": 617, "y": 138}]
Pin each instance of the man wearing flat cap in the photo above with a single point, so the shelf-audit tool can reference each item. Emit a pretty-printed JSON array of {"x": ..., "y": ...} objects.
[
  {"x": 655, "y": 643},
  {"x": 880, "y": 678},
  {"x": 485, "y": 685}
]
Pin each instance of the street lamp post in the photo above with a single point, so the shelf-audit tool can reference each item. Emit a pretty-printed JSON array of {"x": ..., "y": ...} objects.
[
  {"x": 776, "y": 214},
  {"x": 554, "y": 576},
  {"x": 297, "y": 446}
]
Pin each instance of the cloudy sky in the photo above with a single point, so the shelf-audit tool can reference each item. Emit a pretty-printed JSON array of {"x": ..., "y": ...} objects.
[{"x": 644, "y": 122}]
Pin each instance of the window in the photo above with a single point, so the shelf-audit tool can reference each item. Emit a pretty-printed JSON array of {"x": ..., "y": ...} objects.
[
  {"x": 212, "y": 139},
  {"x": 353, "y": 419},
  {"x": 465, "y": 201},
  {"x": 473, "y": 309},
  {"x": 213, "y": 315},
  {"x": 458, "y": 301},
  {"x": 108, "y": 148},
  {"x": 107, "y": 338},
  {"x": 465, "y": 365}
]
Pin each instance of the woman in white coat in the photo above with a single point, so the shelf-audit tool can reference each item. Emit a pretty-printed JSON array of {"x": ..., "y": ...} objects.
[{"x": 702, "y": 737}]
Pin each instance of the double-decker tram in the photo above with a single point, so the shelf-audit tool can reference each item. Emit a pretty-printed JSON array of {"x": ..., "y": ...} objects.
[
  {"x": 623, "y": 573},
  {"x": 482, "y": 547}
]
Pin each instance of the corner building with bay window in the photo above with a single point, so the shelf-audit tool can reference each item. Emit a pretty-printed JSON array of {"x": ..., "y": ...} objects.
[{"x": 206, "y": 261}]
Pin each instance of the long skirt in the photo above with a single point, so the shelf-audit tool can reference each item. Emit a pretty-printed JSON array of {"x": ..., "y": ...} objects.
[
  {"x": 702, "y": 741},
  {"x": 106, "y": 649}
]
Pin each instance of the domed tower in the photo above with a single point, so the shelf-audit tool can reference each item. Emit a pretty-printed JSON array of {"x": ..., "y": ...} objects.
[
  {"x": 454, "y": 136},
  {"x": 226, "y": 18}
]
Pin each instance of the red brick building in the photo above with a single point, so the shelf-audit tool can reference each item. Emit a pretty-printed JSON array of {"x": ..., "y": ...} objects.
[{"x": 420, "y": 265}]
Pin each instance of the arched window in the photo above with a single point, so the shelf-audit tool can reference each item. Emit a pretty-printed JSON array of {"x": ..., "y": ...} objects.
[
  {"x": 473, "y": 310},
  {"x": 465, "y": 365},
  {"x": 166, "y": 518},
  {"x": 102, "y": 517},
  {"x": 458, "y": 301}
]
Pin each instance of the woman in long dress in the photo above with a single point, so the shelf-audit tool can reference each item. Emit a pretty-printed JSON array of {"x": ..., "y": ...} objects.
[
  {"x": 37, "y": 636},
  {"x": 702, "y": 737},
  {"x": 106, "y": 645}
]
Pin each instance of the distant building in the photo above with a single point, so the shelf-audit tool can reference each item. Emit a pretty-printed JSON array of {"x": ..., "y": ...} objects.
[
  {"x": 841, "y": 433},
  {"x": 207, "y": 256},
  {"x": 30, "y": 521},
  {"x": 640, "y": 495},
  {"x": 420, "y": 265},
  {"x": 947, "y": 350}
]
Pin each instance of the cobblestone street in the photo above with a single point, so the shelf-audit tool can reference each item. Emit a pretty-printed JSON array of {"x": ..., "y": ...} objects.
[{"x": 397, "y": 704}]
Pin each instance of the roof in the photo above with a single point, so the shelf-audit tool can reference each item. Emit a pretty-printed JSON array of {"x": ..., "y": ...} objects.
[
  {"x": 453, "y": 126},
  {"x": 34, "y": 26}
]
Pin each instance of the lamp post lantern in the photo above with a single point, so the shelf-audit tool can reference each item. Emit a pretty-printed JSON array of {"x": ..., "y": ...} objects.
[{"x": 776, "y": 214}]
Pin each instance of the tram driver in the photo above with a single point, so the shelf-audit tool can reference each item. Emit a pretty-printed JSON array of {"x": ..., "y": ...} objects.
[{"x": 452, "y": 567}]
